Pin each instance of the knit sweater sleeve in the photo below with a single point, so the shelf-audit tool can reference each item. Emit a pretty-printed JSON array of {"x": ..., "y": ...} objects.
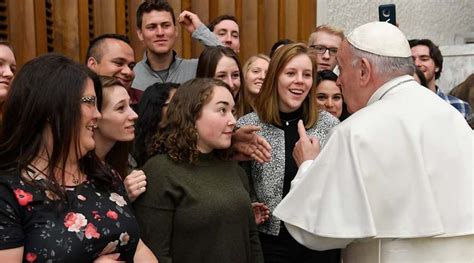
[{"x": 155, "y": 208}]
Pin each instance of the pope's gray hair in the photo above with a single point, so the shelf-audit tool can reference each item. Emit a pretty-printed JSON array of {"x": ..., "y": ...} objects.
[{"x": 385, "y": 66}]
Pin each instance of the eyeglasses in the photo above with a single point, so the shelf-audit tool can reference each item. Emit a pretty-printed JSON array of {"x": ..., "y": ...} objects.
[
  {"x": 322, "y": 49},
  {"x": 91, "y": 100}
]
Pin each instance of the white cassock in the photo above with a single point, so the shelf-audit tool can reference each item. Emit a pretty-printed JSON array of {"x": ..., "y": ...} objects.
[{"x": 394, "y": 183}]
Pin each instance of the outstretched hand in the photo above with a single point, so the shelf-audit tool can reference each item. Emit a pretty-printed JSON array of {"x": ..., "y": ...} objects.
[
  {"x": 306, "y": 148},
  {"x": 189, "y": 21},
  {"x": 250, "y": 146}
]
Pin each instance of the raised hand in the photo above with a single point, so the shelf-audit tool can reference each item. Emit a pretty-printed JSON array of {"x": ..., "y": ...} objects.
[
  {"x": 306, "y": 148},
  {"x": 189, "y": 21}
]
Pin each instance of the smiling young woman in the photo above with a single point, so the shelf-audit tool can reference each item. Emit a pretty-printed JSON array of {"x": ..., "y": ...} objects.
[
  {"x": 287, "y": 95},
  {"x": 196, "y": 195},
  {"x": 59, "y": 202}
]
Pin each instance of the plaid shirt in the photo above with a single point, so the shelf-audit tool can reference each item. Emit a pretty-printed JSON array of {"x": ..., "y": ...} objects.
[{"x": 460, "y": 105}]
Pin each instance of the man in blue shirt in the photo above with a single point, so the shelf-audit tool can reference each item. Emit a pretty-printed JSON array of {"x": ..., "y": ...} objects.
[{"x": 427, "y": 57}]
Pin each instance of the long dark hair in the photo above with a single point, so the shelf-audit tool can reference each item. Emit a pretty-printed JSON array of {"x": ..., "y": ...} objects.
[
  {"x": 46, "y": 93},
  {"x": 207, "y": 66},
  {"x": 150, "y": 111}
]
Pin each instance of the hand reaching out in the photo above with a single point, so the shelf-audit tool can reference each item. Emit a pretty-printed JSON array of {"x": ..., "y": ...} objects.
[{"x": 248, "y": 145}]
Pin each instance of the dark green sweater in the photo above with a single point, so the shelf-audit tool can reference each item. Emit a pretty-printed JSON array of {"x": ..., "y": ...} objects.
[{"x": 197, "y": 212}]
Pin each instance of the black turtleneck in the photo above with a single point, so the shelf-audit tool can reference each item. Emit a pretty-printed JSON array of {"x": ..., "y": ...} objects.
[{"x": 289, "y": 125}]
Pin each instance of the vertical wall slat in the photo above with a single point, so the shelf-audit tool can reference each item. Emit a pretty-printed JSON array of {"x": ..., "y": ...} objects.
[
  {"x": 132, "y": 35},
  {"x": 249, "y": 30},
  {"x": 186, "y": 36},
  {"x": 40, "y": 27},
  {"x": 274, "y": 24},
  {"x": 21, "y": 29},
  {"x": 104, "y": 17},
  {"x": 203, "y": 9},
  {"x": 120, "y": 19},
  {"x": 83, "y": 13},
  {"x": 306, "y": 19}
]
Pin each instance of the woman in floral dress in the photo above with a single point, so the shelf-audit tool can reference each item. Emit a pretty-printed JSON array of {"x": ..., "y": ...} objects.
[{"x": 58, "y": 202}]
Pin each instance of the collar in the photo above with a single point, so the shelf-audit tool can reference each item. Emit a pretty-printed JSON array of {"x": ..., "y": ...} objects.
[
  {"x": 145, "y": 59},
  {"x": 388, "y": 86}
]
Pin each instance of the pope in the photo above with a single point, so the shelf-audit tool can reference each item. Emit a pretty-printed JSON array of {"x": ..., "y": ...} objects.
[{"x": 394, "y": 182}]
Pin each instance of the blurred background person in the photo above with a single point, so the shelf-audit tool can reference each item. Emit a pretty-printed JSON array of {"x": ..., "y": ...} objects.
[
  {"x": 7, "y": 71},
  {"x": 226, "y": 28},
  {"x": 278, "y": 45},
  {"x": 224, "y": 64},
  {"x": 329, "y": 95},
  {"x": 324, "y": 43},
  {"x": 255, "y": 70},
  {"x": 151, "y": 113},
  {"x": 465, "y": 92},
  {"x": 428, "y": 58}
]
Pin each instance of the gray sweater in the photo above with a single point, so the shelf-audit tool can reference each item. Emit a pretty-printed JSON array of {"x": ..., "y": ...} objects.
[{"x": 180, "y": 70}]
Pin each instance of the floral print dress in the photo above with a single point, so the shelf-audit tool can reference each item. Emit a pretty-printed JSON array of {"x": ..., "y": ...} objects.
[{"x": 94, "y": 223}]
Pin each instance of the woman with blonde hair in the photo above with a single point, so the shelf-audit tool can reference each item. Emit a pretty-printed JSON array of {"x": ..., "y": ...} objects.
[{"x": 255, "y": 70}]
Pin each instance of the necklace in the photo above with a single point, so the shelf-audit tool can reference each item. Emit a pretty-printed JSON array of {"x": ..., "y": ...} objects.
[
  {"x": 75, "y": 176},
  {"x": 287, "y": 122}
]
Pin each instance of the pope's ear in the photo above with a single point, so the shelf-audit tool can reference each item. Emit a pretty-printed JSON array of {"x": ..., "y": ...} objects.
[{"x": 365, "y": 71}]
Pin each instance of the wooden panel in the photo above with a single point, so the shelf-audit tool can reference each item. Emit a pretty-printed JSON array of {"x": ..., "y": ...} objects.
[
  {"x": 249, "y": 30},
  {"x": 120, "y": 19},
  {"x": 306, "y": 19},
  {"x": 135, "y": 42},
  {"x": 21, "y": 29},
  {"x": 104, "y": 17},
  {"x": 186, "y": 36},
  {"x": 66, "y": 26},
  {"x": 202, "y": 9},
  {"x": 226, "y": 7},
  {"x": 83, "y": 14},
  {"x": 271, "y": 21},
  {"x": 3, "y": 20},
  {"x": 291, "y": 19},
  {"x": 176, "y": 4},
  {"x": 40, "y": 27}
]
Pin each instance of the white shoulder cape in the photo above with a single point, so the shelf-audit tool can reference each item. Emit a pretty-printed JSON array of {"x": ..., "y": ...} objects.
[{"x": 400, "y": 168}]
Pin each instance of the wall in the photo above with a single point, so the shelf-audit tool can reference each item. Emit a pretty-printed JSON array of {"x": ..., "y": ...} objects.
[{"x": 34, "y": 27}]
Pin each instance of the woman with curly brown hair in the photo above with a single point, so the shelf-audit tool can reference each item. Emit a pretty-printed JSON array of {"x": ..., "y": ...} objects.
[{"x": 197, "y": 207}]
